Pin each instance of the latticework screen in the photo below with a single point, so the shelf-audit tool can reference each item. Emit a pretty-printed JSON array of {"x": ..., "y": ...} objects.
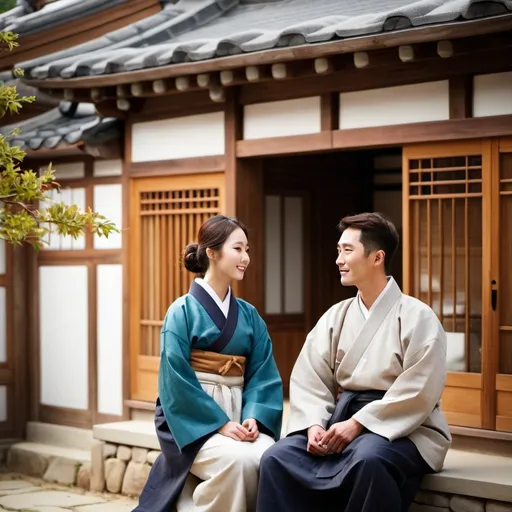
[{"x": 445, "y": 197}]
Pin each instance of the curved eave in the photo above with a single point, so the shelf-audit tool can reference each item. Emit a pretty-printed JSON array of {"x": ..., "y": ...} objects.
[{"x": 308, "y": 51}]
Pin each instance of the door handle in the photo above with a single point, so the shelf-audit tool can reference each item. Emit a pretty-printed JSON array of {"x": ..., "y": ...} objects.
[{"x": 494, "y": 295}]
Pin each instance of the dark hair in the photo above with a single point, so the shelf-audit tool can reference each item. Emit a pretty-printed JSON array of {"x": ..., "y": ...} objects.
[
  {"x": 377, "y": 233},
  {"x": 213, "y": 235}
]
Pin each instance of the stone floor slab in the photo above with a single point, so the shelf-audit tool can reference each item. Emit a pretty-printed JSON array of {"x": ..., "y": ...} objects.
[
  {"x": 49, "y": 509},
  {"x": 121, "y": 506},
  {"x": 12, "y": 485},
  {"x": 48, "y": 499}
]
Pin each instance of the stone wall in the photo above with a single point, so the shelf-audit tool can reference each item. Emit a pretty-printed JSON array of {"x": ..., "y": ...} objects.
[
  {"x": 120, "y": 469},
  {"x": 427, "y": 501}
]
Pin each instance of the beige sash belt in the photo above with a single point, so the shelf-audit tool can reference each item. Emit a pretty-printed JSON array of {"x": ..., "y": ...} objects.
[{"x": 219, "y": 364}]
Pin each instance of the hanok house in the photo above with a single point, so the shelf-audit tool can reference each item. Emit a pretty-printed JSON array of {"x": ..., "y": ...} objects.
[{"x": 290, "y": 114}]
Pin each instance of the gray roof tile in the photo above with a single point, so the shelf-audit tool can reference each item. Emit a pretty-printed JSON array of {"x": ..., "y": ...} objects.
[
  {"x": 195, "y": 30},
  {"x": 65, "y": 125}
]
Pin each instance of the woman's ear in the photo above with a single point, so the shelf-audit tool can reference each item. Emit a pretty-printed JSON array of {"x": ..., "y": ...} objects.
[{"x": 211, "y": 254}]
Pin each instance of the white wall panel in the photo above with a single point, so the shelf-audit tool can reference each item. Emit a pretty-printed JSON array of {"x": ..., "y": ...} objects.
[
  {"x": 294, "y": 251},
  {"x": 492, "y": 94},
  {"x": 272, "y": 255},
  {"x": 181, "y": 137},
  {"x": 2, "y": 255},
  {"x": 110, "y": 339},
  {"x": 71, "y": 170},
  {"x": 104, "y": 168},
  {"x": 63, "y": 327},
  {"x": 3, "y": 325},
  {"x": 395, "y": 105},
  {"x": 282, "y": 118},
  {"x": 108, "y": 200},
  {"x": 3, "y": 403}
]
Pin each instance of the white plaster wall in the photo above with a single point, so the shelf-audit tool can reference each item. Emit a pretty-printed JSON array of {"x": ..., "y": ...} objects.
[
  {"x": 71, "y": 170},
  {"x": 104, "y": 168},
  {"x": 395, "y": 105},
  {"x": 2, "y": 255},
  {"x": 272, "y": 255},
  {"x": 108, "y": 200},
  {"x": 492, "y": 94},
  {"x": 63, "y": 327},
  {"x": 110, "y": 339},
  {"x": 3, "y": 325},
  {"x": 3, "y": 403},
  {"x": 182, "y": 137},
  {"x": 66, "y": 243},
  {"x": 282, "y": 118},
  {"x": 293, "y": 243}
]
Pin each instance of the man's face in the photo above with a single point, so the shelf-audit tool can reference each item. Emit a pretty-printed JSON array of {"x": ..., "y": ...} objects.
[{"x": 354, "y": 265}]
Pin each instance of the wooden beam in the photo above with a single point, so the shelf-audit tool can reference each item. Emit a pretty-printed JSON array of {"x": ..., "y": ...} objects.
[
  {"x": 234, "y": 122},
  {"x": 330, "y": 111},
  {"x": 456, "y": 129},
  {"x": 461, "y": 97},
  {"x": 399, "y": 73},
  {"x": 294, "y": 144},
  {"x": 180, "y": 166},
  {"x": 375, "y": 41}
]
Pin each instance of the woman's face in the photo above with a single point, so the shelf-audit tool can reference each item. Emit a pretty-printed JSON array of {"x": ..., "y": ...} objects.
[{"x": 233, "y": 259}]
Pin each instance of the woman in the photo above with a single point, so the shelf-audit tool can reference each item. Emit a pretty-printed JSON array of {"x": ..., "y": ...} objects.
[{"x": 220, "y": 394}]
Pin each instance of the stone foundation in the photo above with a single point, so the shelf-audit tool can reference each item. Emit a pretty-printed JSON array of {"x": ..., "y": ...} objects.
[
  {"x": 120, "y": 469},
  {"x": 428, "y": 501}
]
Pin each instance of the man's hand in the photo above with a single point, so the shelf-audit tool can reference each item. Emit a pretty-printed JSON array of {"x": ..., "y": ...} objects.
[
  {"x": 315, "y": 434},
  {"x": 340, "y": 435},
  {"x": 251, "y": 425},
  {"x": 234, "y": 430}
]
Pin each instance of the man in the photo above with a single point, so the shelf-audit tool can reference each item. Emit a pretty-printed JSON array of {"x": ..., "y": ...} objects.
[{"x": 365, "y": 449}]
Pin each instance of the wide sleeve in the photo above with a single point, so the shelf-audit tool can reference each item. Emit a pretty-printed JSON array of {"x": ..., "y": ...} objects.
[
  {"x": 188, "y": 410},
  {"x": 413, "y": 396},
  {"x": 262, "y": 398},
  {"x": 313, "y": 388}
]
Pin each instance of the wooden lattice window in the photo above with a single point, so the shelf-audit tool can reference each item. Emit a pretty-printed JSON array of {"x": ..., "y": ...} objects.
[
  {"x": 166, "y": 215},
  {"x": 445, "y": 197}
]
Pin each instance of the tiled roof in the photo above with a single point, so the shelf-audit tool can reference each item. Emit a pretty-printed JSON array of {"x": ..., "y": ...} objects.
[
  {"x": 65, "y": 125},
  {"x": 24, "y": 21},
  {"x": 195, "y": 30}
]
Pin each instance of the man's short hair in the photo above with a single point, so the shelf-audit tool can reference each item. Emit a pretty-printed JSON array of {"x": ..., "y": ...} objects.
[{"x": 377, "y": 233}]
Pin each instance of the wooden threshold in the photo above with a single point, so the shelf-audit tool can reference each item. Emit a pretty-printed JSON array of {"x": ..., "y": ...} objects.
[
  {"x": 294, "y": 144},
  {"x": 65, "y": 416},
  {"x": 140, "y": 405}
]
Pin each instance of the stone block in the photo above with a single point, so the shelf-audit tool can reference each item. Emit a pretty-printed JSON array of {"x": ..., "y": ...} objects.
[
  {"x": 417, "y": 507},
  {"x": 62, "y": 471},
  {"x": 136, "y": 475},
  {"x": 50, "y": 498},
  {"x": 114, "y": 474},
  {"x": 97, "y": 468},
  {"x": 466, "y": 504},
  {"x": 27, "y": 463},
  {"x": 498, "y": 506},
  {"x": 109, "y": 450},
  {"x": 152, "y": 456},
  {"x": 83, "y": 479},
  {"x": 124, "y": 453},
  {"x": 139, "y": 454},
  {"x": 436, "y": 499}
]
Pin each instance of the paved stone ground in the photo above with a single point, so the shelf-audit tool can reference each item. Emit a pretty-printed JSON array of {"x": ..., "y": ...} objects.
[{"x": 26, "y": 494}]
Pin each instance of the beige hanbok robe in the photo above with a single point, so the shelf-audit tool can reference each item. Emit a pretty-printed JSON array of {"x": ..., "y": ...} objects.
[{"x": 399, "y": 349}]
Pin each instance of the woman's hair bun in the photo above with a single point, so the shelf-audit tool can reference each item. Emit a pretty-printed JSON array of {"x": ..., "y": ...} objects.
[{"x": 193, "y": 260}]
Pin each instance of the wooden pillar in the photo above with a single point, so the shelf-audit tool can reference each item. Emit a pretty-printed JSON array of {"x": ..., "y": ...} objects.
[{"x": 244, "y": 199}]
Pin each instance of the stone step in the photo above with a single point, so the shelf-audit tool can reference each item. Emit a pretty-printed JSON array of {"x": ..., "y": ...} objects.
[
  {"x": 59, "y": 435},
  {"x": 52, "y": 463}
]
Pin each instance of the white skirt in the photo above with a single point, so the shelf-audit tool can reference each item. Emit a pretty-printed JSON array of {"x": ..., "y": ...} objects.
[{"x": 226, "y": 391}]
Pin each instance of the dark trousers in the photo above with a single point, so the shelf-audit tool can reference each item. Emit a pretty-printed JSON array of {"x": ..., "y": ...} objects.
[{"x": 370, "y": 475}]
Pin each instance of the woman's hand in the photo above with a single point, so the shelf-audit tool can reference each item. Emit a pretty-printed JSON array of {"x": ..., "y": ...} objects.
[
  {"x": 251, "y": 425},
  {"x": 234, "y": 430}
]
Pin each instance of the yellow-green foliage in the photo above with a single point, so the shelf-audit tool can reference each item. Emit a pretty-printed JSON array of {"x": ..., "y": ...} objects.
[{"x": 21, "y": 189}]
